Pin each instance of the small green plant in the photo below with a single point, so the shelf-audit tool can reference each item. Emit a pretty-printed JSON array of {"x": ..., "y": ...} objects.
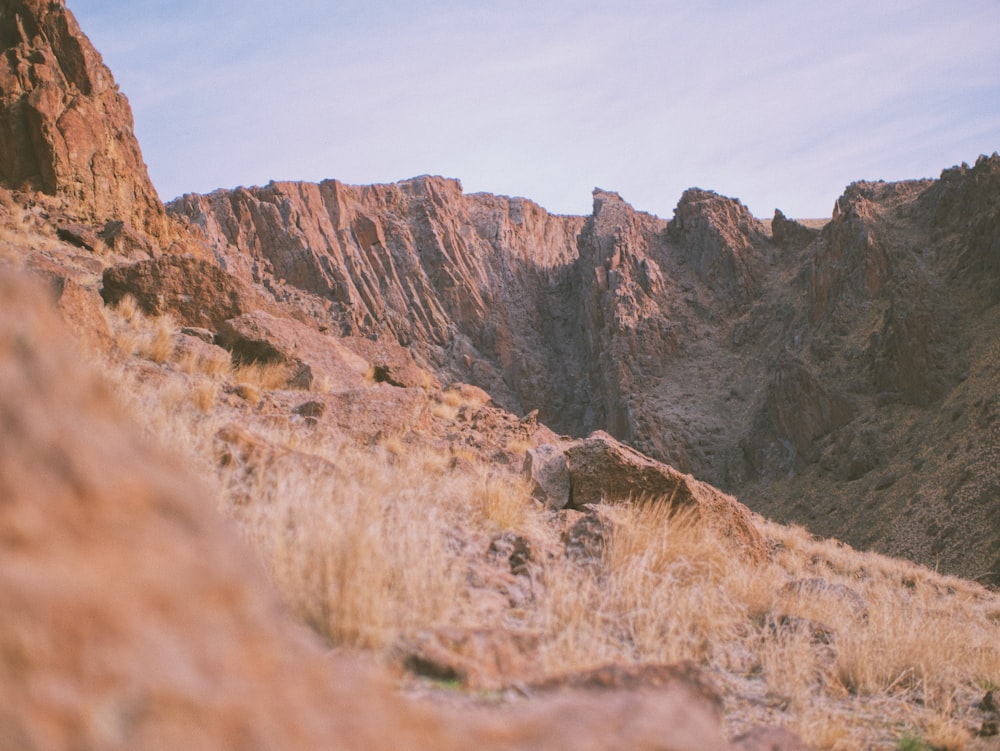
[{"x": 910, "y": 742}]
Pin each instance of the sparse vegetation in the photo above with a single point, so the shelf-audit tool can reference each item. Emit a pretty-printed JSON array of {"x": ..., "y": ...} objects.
[{"x": 372, "y": 544}]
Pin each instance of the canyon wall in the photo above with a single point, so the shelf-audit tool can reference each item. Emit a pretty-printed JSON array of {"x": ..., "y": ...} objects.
[{"x": 805, "y": 370}]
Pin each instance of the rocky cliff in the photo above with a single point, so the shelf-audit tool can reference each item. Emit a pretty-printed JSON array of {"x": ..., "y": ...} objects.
[
  {"x": 844, "y": 377},
  {"x": 784, "y": 366},
  {"x": 66, "y": 130}
]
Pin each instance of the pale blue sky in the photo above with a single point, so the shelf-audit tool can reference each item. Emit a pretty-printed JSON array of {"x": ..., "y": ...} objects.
[{"x": 780, "y": 103}]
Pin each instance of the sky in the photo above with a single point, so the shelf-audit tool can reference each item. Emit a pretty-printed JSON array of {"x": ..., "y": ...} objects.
[{"x": 780, "y": 103}]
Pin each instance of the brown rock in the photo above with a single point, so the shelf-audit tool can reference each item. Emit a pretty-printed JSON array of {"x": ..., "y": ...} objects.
[
  {"x": 546, "y": 467},
  {"x": 317, "y": 360},
  {"x": 602, "y": 470},
  {"x": 80, "y": 235},
  {"x": 790, "y": 234},
  {"x": 66, "y": 128},
  {"x": 196, "y": 292},
  {"x": 391, "y": 363}
]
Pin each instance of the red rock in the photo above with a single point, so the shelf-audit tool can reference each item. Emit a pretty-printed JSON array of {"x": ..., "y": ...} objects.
[
  {"x": 315, "y": 360},
  {"x": 67, "y": 129},
  {"x": 602, "y": 470},
  {"x": 790, "y": 234},
  {"x": 195, "y": 292}
]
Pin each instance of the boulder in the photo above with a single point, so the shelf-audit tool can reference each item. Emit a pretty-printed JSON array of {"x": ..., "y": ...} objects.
[
  {"x": 545, "y": 466},
  {"x": 195, "y": 292},
  {"x": 391, "y": 363},
  {"x": 316, "y": 361},
  {"x": 603, "y": 470}
]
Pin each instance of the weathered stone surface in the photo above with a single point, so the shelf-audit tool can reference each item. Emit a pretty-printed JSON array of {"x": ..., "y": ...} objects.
[
  {"x": 65, "y": 129},
  {"x": 602, "y": 469},
  {"x": 721, "y": 240},
  {"x": 481, "y": 659},
  {"x": 391, "y": 363},
  {"x": 790, "y": 234},
  {"x": 546, "y": 467},
  {"x": 315, "y": 360},
  {"x": 196, "y": 292}
]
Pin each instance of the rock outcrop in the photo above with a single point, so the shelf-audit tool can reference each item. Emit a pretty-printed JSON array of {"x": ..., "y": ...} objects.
[
  {"x": 766, "y": 365},
  {"x": 134, "y": 619},
  {"x": 194, "y": 291},
  {"x": 65, "y": 128}
]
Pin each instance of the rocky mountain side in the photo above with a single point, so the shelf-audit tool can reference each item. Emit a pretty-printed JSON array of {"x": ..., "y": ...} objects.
[
  {"x": 363, "y": 379},
  {"x": 67, "y": 131},
  {"x": 784, "y": 366}
]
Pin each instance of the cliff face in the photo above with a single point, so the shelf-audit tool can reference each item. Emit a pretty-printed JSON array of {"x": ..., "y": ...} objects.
[
  {"x": 855, "y": 364},
  {"x": 789, "y": 368},
  {"x": 65, "y": 128}
]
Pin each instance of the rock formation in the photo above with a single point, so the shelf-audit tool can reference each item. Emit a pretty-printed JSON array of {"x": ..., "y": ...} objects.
[
  {"x": 759, "y": 363},
  {"x": 845, "y": 378},
  {"x": 134, "y": 619},
  {"x": 67, "y": 131}
]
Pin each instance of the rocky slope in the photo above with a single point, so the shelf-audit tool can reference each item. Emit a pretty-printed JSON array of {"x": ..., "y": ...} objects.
[
  {"x": 289, "y": 322},
  {"x": 786, "y": 366}
]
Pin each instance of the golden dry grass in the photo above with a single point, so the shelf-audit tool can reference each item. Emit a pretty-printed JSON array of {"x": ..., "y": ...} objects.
[
  {"x": 262, "y": 375},
  {"x": 370, "y": 544}
]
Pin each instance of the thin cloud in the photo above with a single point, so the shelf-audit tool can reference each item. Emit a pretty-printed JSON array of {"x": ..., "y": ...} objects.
[{"x": 779, "y": 103}]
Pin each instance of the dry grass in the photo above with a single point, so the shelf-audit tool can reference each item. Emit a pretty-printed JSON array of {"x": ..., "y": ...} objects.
[
  {"x": 262, "y": 375},
  {"x": 137, "y": 335},
  {"x": 503, "y": 502},
  {"x": 371, "y": 544},
  {"x": 192, "y": 363},
  {"x": 356, "y": 552}
]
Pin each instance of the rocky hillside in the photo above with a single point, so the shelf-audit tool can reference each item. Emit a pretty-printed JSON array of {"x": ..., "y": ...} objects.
[
  {"x": 364, "y": 381},
  {"x": 843, "y": 379}
]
